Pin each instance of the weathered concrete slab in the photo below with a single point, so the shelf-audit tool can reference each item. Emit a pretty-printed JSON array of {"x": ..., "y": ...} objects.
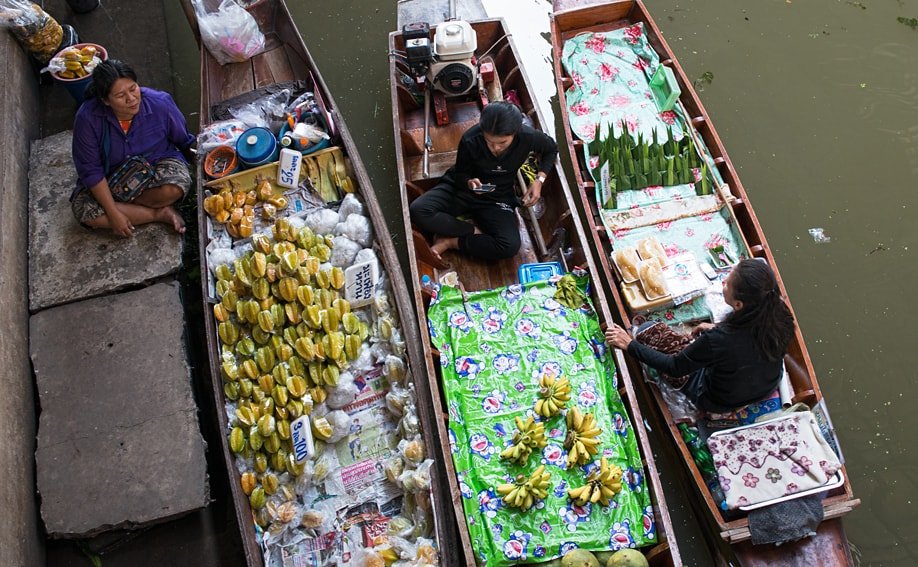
[
  {"x": 68, "y": 262},
  {"x": 118, "y": 440},
  {"x": 436, "y": 11}
]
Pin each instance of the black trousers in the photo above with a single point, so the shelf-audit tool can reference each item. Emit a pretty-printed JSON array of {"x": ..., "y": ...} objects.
[{"x": 435, "y": 212}]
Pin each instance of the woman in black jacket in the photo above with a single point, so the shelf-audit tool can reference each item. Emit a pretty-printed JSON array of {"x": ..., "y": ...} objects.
[{"x": 737, "y": 361}]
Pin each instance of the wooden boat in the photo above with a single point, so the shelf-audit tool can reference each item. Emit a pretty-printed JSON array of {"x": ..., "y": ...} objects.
[
  {"x": 829, "y": 546},
  {"x": 475, "y": 275},
  {"x": 286, "y": 58}
]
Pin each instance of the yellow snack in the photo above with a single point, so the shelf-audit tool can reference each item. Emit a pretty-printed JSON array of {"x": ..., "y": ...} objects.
[
  {"x": 627, "y": 261},
  {"x": 652, "y": 279}
]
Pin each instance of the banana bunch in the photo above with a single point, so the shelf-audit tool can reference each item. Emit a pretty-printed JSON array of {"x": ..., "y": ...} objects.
[
  {"x": 568, "y": 293},
  {"x": 530, "y": 435},
  {"x": 582, "y": 437},
  {"x": 601, "y": 485},
  {"x": 524, "y": 492},
  {"x": 236, "y": 209},
  {"x": 554, "y": 393}
]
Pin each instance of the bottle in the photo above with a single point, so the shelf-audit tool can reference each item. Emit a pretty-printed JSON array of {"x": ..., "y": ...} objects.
[
  {"x": 428, "y": 286},
  {"x": 699, "y": 451}
]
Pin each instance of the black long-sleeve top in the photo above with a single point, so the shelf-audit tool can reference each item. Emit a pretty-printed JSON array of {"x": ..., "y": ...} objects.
[
  {"x": 736, "y": 372},
  {"x": 474, "y": 159}
]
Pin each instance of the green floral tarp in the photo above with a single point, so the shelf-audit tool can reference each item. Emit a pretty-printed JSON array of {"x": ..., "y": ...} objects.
[{"x": 494, "y": 348}]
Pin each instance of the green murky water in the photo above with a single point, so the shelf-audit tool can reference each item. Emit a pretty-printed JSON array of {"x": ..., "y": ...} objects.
[{"x": 817, "y": 105}]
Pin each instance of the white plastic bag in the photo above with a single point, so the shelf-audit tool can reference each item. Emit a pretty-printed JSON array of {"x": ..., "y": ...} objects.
[{"x": 231, "y": 34}]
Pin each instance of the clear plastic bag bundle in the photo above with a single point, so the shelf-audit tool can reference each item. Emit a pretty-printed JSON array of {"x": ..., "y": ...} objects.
[{"x": 230, "y": 33}]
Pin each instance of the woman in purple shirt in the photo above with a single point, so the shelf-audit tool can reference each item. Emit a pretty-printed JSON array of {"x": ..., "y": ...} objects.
[{"x": 139, "y": 121}]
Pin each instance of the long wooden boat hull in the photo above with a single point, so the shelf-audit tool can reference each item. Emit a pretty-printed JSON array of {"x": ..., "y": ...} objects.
[
  {"x": 286, "y": 58},
  {"x": 560, "y": 213},
  {"x": 570, "y": 18}
]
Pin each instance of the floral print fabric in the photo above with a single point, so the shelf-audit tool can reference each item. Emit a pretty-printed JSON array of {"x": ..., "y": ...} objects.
[
  {"x": 773, "y": 459},
  {"x": 495, "y": 346},
  {"x": 610, "y": 72}
]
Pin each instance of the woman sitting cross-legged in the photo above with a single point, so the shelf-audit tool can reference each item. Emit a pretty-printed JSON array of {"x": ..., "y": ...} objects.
[
  {"x": 737, "y": 361},
  {"x": 480, "y": 186},
  {"x": 128, "y": 120}
]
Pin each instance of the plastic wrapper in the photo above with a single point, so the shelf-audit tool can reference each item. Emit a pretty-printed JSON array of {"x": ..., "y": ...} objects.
[
  {"x": 230, "y": 33},
  {"x": 33, "y": 27},
  {"x": 393, "y": 467},
  {"x": 342, "y": 394},
  {"x": 350, "y": 205},
  {"x": 416, "y": 480},
  {"x": 409, "y": 426},
  {"x": 344, "y": 252},
  {"x": 341, "y": 424},
  {"x": 412, "y": 450},
  {"x": 357, "y": 228},
  {"x": 222, "y": 133},
  {"x": 681, "y": 408},
  {"x": 395, "y": 370},
  {"x": 365, "y": 255},
  {"x": 322, "y": 221},
  {"x": 267, "y": 111},
  {"x": 398, "y": 399}
]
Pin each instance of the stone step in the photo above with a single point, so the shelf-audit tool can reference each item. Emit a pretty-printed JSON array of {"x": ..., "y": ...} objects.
[
  {"x": 68, "y": 262},
  {"x": 119, "y": 444}
]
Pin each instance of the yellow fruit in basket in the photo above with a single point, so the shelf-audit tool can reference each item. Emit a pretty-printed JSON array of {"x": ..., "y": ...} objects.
[
  {"x": 221, "y": 313},
  {"x": 88, "y": 50},
  {"x": 279, "y": 202},
  {"x": 246, "y": 227},
  {"x": 270, "y": 483},
  {"x": 294, "y": 313},
  {"x": 250, "y": 369},
  {"x": 321, "y": 428},
  {"x": 71, "y": 55},
  {"x": 264, "y": 191},
  {"x": 213, "y": 204},
  {"x": 248, "y": 482},
  {"x": 318, "y": 395},
  {"x": 227, "y": 196},
  {"x": 237, "y": 439},
  {"x": 288, "y": 287},
  {"x": 260, "y": 463},
  {"x": 222, "y": 216}
]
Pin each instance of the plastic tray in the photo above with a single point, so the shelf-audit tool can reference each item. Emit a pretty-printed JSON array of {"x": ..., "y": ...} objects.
[
  {"x": 638, "y": 302},
  {"x": 540, "y": 271},
  {"x": 618, "y": 269},
  {"x": 837, "y": 480}
]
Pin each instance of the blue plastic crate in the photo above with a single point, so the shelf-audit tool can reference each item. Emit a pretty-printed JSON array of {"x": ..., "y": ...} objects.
[{"x": 541, "y": 271}]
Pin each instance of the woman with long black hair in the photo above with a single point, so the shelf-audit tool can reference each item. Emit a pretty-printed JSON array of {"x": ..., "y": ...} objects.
[{"x": 737, "y": 361}]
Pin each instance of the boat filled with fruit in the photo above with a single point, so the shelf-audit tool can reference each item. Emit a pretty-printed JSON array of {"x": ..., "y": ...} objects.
[
  {"x": 311, "y": 340},
  {"x": 540, "y": 437},
  {"x": 670, "y": 218}
]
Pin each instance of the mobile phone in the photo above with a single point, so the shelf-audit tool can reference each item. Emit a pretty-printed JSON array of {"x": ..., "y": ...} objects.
[{"x": 485, "y": 188}]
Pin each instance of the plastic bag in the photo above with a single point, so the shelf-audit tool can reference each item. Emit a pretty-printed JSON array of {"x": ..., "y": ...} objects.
[
  {"x": 221, "y": 133},
  {"x": 267, "y": 111},
  {"x": 33, "y": 27},
  {"x": 231, "y": 34}
]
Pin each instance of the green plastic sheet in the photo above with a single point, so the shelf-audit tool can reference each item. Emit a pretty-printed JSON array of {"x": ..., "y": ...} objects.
[{"x": 495, "y": 345}]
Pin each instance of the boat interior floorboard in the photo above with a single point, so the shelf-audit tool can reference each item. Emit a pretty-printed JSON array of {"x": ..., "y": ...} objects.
[{"x": 478, "y": 274}]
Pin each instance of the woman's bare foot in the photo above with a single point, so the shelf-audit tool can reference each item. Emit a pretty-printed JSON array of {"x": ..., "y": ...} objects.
[
  {"x": 441, "y": 245},
  {"x": 168, "y": 215}
]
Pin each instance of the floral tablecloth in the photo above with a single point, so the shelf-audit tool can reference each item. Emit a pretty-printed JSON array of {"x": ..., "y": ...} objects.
[{"x": 494, "y": 348}]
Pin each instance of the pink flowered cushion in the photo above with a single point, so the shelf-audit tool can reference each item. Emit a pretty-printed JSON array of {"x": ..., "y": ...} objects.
[{"x": 772, "y": 459}]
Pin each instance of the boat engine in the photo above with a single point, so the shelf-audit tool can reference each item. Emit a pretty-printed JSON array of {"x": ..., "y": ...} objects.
[
  {"x": 449, "y": 65},
  {"x": 453, "y": 70}
]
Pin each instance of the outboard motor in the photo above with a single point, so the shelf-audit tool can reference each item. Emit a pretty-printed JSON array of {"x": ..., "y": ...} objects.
[{"x": 454, "y": 71}]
